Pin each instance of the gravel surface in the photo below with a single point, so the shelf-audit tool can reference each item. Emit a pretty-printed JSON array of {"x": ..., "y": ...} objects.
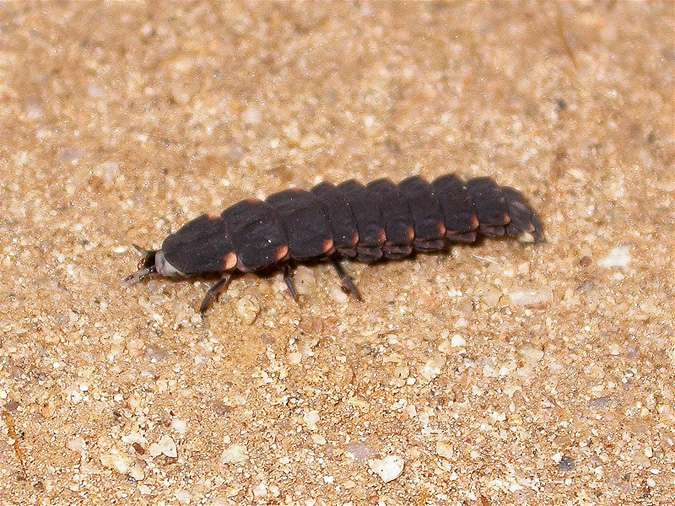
[{"x": 499, "y": 374}]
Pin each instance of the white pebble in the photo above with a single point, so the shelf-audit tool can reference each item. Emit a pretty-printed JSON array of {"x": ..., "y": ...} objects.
[
  {"x": 433, "y": 367},
  {"x": 457, "y": 341},
  {"x": 388, "y": 468},
  {"x": 337, "y": 294},
  {"x": 260, "y": 490},
  {"x": 179, "y": 425},
  {"x": 120, "y": 462},
  {"x": 311, "y": 417},
  {"x": 530, "y": 354},
  {"x": 166, "y": 446},
  {"x": 445, "y": 450},
  {"x": 136, "y": 472},
  {"x": 234, "y": 454},
  {"x": 248, "y": 309},
  {"x": 618, "y": 257},
  {"x": 318, "y": 439},
  {"x": 77, "y": 444},
  {"x": 183, "y": 496},
  {"x": 304, "y": 279},
  {"x": 294, "y": 358},
  {"x": 530, "y": 297}
]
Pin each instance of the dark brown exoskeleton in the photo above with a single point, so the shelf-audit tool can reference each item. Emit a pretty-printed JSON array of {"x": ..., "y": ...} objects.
[{"x": 381, "y": 220}]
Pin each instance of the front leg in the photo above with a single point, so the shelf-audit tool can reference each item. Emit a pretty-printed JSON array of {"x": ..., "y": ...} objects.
[{"x": 213, "y": 293}]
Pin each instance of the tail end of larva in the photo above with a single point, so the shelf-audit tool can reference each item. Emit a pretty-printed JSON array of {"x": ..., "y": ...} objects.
[{"x": 524, "y": 225}]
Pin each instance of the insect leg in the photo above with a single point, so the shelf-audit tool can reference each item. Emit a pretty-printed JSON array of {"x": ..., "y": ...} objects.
[
  {"x": 346, "y": 280},
  {"x": 288, "y": 278},
  {"x": 213, "y": 293}
]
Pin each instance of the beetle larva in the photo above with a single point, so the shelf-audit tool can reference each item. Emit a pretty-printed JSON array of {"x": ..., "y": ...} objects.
[{"x": 350, "y": 221}]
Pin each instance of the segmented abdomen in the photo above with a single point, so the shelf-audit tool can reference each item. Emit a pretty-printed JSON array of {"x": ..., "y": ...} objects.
[{"x": 365, "y": 223}]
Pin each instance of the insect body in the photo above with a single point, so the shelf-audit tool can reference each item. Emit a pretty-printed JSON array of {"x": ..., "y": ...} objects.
[{"x": 350, "y": 221}]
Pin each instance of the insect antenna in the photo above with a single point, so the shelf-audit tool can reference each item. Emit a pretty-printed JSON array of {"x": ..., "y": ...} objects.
[{"x": 146, "y": 266}]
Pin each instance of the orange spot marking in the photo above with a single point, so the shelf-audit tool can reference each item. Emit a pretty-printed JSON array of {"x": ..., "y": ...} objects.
[
  {"x": 281, "y": 253},
  {"x": 230, "y": 261},
  {"x": 507, "y": 219},
  {"x": 327, "y": 246},
  {"x": 474, "y": 221},
  {"x": 355, "y": 238},
  {"x": 213, "y": 217},
  {"x": 410, "y": 233},
  {"x": 381, "y": 236},
  {"x": 441, "y": 229}
]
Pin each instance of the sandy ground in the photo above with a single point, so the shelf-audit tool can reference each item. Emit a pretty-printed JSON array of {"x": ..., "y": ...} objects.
[{"x": 499, "y": 374}]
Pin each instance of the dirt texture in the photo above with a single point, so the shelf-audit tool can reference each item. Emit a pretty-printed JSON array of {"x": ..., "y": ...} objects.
[{"x": 498, "y": 374}]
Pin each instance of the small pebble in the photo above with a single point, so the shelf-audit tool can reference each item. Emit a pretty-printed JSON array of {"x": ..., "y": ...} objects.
[
  {"x": 294, "y": 358},
  {"x": 116, "y": 460},
  {"x": 136, "y": 472},
  {"x": 182, "y": 496},
  {"x": 388, "y": 468},
  {"x": 566, "y": 464},
  {"x": 179, "y": 425},
  {"x": 122, "y": 463},
  {"x": 304, "y": 279},
  {"x": 457, "y": 341},
  {"x": 433, "y": 367},
  {"x": 234, "y": 454},
  {"x": 531, "y": 297},
  {"x": 77, "y": 444},
  {"x": 318, "y": 439},
  {"x": 530, "y": 354},
  {"x": 337, "y": 294},
  {"x": 311, "y": 418},
  {"x": 248, "y": 309},
  {"x": 166, "y": 446},
  {"x": 444, "y": 449},
  {"x": 260, "y": 490},
  {"x": 618, "y": 257}
]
